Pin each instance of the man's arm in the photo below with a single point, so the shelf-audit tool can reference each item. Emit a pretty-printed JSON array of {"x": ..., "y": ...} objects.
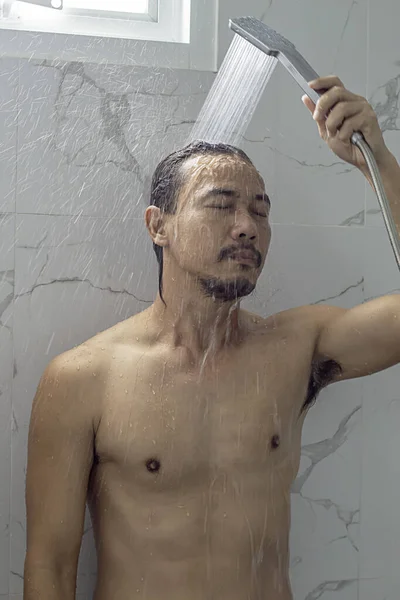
[
  {"x": 60, "y": 453},
  {"x": 363, "y": 340}
]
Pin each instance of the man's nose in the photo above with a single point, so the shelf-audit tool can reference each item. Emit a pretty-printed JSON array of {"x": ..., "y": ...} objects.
[{"x": 244, "y": 227}]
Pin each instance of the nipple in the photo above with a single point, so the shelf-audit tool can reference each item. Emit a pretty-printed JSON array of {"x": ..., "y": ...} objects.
[
  {"x": 275, "y": 442},
  {"x": 153, "y": 465}
]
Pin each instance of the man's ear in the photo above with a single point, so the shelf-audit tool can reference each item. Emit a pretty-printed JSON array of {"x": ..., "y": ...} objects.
[{"x": 155, "y": 223}]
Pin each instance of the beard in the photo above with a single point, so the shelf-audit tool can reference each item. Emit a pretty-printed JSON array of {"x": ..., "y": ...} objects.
[{"x": 227, "y": 290}]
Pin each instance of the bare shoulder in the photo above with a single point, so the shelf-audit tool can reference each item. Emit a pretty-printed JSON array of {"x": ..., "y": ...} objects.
[
  {"x": 82, "y": 371},
  {"x": 91, "y": 359},
  {"x": 93, "y": 355},
  {"x": 69, "y": 390},
  {"x": 73, "y": 365}
]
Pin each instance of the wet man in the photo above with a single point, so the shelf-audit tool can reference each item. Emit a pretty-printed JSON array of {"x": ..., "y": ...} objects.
[{"x": 187, "y": 440}]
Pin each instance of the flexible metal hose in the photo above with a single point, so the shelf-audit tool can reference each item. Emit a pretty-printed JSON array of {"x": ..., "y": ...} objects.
[{"x": 359, "y": 141}]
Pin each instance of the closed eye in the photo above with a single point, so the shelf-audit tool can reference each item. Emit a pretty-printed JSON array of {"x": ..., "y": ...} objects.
[{"x": 229, "y": 207}]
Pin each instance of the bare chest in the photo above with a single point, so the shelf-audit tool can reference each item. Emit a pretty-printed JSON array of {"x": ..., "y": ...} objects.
[{"x": 175, "y": 425}]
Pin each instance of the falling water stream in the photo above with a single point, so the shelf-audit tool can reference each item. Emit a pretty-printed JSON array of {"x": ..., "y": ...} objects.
[{"x": 234, "y": 96}]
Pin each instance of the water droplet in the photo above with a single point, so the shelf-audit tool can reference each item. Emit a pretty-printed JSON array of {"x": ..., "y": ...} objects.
[{"x": 78, "y": 368}]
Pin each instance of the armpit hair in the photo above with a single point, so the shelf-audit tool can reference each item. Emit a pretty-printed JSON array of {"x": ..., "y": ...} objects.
[{"x": 323, "y": 372}]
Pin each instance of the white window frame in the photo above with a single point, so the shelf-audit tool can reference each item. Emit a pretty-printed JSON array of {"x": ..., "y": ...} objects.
[
  {"x": 152, "y": 12},
  {"x": 123, "y": 41},
  {"x": 150, "y": 15}
]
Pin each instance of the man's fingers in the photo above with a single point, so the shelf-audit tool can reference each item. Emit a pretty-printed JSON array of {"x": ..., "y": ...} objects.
[
  {"x": 349, "y": 127},
  {"x": 326, "y": 103},
  {"x": 338, "y": 115},
  {"x": 311, "y": 107},
  {"x": 326, "y": 83},
  {"x": 309, "y": 103}
]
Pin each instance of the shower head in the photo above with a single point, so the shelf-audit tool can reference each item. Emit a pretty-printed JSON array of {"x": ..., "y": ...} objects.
[{"x": 272, "y": 43}]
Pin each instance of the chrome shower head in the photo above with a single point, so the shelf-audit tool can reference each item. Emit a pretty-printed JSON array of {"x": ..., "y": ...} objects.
[{"x": 272, "y": 43}]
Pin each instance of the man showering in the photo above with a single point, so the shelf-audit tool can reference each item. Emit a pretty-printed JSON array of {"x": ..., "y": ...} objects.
[{"x": 184, "y": 432}]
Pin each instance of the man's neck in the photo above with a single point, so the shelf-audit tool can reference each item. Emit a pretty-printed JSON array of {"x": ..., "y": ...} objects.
[{"x": 200, "y": 324}]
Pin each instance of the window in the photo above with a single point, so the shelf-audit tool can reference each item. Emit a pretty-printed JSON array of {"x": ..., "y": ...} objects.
[
  {"x": 160, "y": 33},
  {"x": 162, "y": 20}
]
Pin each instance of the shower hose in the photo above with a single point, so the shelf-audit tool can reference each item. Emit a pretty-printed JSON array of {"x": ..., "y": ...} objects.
[{"x": 359, "y": 141}]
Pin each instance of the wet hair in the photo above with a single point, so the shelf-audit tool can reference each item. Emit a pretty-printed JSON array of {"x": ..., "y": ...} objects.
[{"x": 168, "y": 179}]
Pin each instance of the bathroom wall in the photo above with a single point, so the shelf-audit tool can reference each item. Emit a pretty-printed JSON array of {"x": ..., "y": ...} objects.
[{"x": 77, "y": 147}]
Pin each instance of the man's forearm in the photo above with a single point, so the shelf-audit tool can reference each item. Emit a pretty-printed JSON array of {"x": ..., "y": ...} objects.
[
  {"x": 42, "y": 583},
  {"x": 390, "y": 172}
]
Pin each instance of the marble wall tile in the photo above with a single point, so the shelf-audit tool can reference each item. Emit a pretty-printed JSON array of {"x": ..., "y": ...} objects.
[
  {"x": 7, "y": 229},
  {"x": 313, "y": 186},
  {"x": 383, "y": 83},
  {"x": 333, "y": 590},
  {"x": 9, "y": 69},
  {"x": 326, "y": 495},
  {"x": 90, "y": 138},
  {"x": 378, "y": 589},
  {"x": 380, "y": 528},
  {"x": 380, "y": 491},
  {"x": 382, "y": 273}
]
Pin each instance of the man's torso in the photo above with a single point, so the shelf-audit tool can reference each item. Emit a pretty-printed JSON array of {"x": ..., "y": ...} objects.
[{"x": 189, "y": 490}]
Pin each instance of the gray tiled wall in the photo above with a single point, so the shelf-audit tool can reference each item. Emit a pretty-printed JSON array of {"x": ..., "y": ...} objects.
[{"x": 77, "y": 147}]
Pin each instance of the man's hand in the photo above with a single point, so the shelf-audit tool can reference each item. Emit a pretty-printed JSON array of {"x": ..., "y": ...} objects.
[{"x": 339, "y": 113}]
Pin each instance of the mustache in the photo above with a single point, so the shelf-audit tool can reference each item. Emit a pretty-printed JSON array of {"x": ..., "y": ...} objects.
[{"x": 232, "y": 250}]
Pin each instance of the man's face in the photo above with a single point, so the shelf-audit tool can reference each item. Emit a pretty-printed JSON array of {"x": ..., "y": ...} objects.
[{"x": 220, "y": 231}]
